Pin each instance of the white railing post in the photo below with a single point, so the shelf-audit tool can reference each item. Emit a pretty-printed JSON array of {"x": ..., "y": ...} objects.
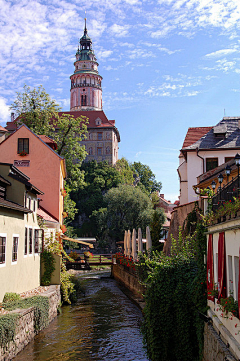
[
  {"x": 148, "y": 238},
  {"x": 134, "y": 245},
  {"x": 140, "y": 244},
  {"x": 128, "y": 243},
  {"x": 125, "y": 243}
]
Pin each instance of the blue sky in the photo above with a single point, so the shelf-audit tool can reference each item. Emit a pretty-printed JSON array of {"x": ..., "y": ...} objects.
[{"x": 166, "y": 65}]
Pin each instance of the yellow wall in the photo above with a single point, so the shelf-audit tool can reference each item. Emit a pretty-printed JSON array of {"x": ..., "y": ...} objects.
[{"x": 24, "y": 274}]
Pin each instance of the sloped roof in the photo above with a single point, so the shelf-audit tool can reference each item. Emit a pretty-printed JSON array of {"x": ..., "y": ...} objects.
[
  {"x": 48, "y": 141},
  {"x": 211, "y": 141},
  {"x": 41, "y": 212},
  {"x": 2, "y": 129},
  {"x": 15, "y": 206},
  {"x": 194, "y": 134},
  {"x": 92, "y": 115}
]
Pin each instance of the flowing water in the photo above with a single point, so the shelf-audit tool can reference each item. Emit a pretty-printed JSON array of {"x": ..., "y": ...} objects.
[{"x": 104, "y": 325}]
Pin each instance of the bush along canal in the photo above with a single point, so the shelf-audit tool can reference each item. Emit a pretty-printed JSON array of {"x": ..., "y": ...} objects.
[{"x": 103, "y": 325}]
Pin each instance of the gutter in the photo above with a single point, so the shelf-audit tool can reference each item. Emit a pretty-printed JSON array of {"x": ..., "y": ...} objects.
[{"x": 200, "y": 158}]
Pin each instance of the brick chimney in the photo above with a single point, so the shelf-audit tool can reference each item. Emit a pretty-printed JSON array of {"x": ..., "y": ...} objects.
[
  {"x": 162, "y": 195},
  {"x": 12, "y": 117}
]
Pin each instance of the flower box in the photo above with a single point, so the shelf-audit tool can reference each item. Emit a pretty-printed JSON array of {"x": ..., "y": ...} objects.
[{"x": 228, "y": 320}]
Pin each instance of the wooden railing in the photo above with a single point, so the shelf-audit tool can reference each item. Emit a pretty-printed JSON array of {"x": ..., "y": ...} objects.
[{"x": 87, "y": 262}]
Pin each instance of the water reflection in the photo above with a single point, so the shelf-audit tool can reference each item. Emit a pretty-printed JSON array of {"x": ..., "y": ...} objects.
[{"x": 102, "y": 326}]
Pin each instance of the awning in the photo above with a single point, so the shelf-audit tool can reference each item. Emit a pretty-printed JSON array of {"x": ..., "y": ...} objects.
[{"x": 65, "y": 238}]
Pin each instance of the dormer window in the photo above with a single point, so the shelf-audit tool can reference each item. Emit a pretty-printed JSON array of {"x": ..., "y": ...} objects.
[
  {"x": 98, "y": 121},
  {"x": 220, "y": 131},
  {"x": 23, "y": 145}
]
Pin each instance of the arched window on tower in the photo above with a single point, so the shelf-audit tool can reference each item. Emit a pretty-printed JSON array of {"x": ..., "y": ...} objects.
[{"x": 83, "y": 100}]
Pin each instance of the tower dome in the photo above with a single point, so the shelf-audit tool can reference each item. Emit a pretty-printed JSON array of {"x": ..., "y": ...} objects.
[{"x": 86, "y": 90}]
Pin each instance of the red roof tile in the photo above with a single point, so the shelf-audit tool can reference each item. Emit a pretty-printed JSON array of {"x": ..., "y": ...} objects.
[
  {"x": 2, "y": 129},
  {"x": 92, "y": 115},
  {"x": 194, "y": 134},
  {"x": 41, "y": 212},
  {"x": 48, "y": 141}
]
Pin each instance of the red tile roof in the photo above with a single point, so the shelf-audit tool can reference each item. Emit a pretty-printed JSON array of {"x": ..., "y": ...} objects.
[
  {"x": 92, "y": 115},
  {"x": 194, "y": 134},
  {"x": 48, "y": 141},
  {"x": 2, "y": 129},
  {"x": 41, "y": 212}
]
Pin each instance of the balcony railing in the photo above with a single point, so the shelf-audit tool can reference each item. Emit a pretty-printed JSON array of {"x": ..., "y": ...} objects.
[{"x": 226, "y": 194}]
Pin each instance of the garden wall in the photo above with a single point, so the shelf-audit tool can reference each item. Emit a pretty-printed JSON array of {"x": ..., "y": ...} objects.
[{"x": 25, "y": 331}]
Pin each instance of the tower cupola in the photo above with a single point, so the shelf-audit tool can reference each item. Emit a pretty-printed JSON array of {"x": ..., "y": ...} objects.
[{"x": 86, "y": 90}]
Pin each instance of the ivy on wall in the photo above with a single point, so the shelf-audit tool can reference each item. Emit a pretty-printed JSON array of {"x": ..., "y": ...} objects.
[
  {"x": 49, "y": 267},
  {"x": 172, "y": 326}
]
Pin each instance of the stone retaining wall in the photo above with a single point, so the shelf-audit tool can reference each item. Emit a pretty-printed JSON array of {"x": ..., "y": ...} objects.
[
  {"x": 130, "y": 281},
  {"x": 214, "y": 348},
  {"x": 25, "y": 331}
]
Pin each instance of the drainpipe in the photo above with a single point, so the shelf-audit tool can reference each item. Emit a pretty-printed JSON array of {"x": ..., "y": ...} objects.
[{"x": 200, "y": 157}]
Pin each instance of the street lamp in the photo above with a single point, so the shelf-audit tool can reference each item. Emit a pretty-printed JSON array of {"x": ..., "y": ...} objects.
[
  {"x": 237, "y": 162},
  {"x": 228, "y": 171},
  {"x": 220, "y": 180},
  {"x": 213, "y": 185}
]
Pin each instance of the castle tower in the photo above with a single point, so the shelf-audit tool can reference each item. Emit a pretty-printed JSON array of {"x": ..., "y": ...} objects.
[{"x": 86, "y": 91}]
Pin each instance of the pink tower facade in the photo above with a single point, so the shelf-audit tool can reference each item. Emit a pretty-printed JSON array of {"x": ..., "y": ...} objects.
[{"x": 86, "y": 90}]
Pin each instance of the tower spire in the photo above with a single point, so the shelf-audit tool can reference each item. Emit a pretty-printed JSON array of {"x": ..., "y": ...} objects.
[{"x": 85, "y": 29}]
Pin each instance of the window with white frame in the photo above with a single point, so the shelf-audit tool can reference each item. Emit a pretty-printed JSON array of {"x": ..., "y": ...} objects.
[
  {"x": 26, "y": 241},
  {"x": 38, "y": 240},
  {"x": 2, "y": 249},
  {"x": 15, "y": 249},
  {"x": 30, "y": 239}
]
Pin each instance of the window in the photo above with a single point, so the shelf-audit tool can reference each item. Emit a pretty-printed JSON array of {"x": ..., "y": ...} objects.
[
  {"x": 15, "y": 249},
  {"x": 38, "y": 240},
  {"x": 99, "y": 136},
  {"x": 30, "y": 240},
  {"x": 227, "y": 159},
  {"x": 34, "y": 206},
  {"x": 26, "y": 241},
  {"x": 108, "y": 135},
  {"x": 99, "y": 151},
  {"x": 236, "y": 271},
  {"x": 2, "y": 249},
  {"x": 108, "y": 150},
  {"x": 230, "y": 276},
  {"x": 84, "y": 99},
  {"x": 23, "y": 145},
  {"x": 90, "y": 152},
  {"x": 29, "y": 203},
  {"x": 211, "y": 163}
]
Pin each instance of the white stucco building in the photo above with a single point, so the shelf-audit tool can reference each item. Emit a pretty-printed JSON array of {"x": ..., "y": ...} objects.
[{"x": 205, "y": 148}]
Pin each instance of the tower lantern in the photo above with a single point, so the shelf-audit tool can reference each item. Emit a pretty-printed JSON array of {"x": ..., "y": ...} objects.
[{"x": 86, "y": 83}]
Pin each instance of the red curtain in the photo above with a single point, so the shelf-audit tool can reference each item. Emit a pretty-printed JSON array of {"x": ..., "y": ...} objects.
[
  {"x": 210, "y": 271},
  {"x": 239, "y": 284},
  {"x": 221, "y": 267}
]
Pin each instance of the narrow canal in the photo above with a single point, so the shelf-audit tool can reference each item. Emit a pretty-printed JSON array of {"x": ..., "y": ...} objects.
[{"x": 103, "y": 325}]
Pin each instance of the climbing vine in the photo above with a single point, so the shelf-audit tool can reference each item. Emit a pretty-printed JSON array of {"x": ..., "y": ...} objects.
[
  {"x": 49, "y": 266},
  {"x": 40, "y": 305},
  {"x": 175, "y": 298},
  {"x": 8, "y": 324}
]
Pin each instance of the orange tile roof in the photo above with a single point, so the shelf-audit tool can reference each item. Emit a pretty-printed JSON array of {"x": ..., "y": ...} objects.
[
  {"x": 194, "y": 134},
  {"x": 2, "y": 129},
  {"x": 41, "y": 212}
]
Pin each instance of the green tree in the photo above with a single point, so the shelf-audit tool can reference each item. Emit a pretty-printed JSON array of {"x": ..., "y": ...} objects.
[
  {"x": 157, "y": 221},
  {"x": 127, "y": 207},
  {"x": 147, "y": 177},
  {"x": 35, "y": 109},
  {"x": 125, "y": 170}
]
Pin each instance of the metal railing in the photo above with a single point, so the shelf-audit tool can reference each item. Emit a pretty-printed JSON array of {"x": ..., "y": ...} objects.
[{"x": 226, "y": 194}]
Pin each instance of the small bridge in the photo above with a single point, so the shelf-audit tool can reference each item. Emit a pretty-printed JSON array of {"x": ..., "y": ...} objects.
[{"x": 87, "y": 262}]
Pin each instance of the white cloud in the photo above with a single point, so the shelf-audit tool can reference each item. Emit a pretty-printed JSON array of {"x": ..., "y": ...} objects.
[
  {"x": 119, "y": 30},
  {"x": 220, "y": 53},
  {"x": 4, "y": 110}
]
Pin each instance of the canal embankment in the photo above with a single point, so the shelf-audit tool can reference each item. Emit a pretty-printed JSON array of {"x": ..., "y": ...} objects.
[
  {"x": 26, "y": 328},
  {"x": 102, "y": 325}
]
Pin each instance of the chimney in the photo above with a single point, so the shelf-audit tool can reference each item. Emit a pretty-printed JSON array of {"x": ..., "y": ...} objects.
[
  {"x": 12, "y": 117},
  {"x": 162, "y": 195}
]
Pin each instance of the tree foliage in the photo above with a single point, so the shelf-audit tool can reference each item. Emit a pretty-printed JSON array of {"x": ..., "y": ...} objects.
[
  {"x": 127, "y": 207},
  {"x": 157, "y": 221},
  {"x": 147, "y": 177},
  {"x": 35, "y": 109}
]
